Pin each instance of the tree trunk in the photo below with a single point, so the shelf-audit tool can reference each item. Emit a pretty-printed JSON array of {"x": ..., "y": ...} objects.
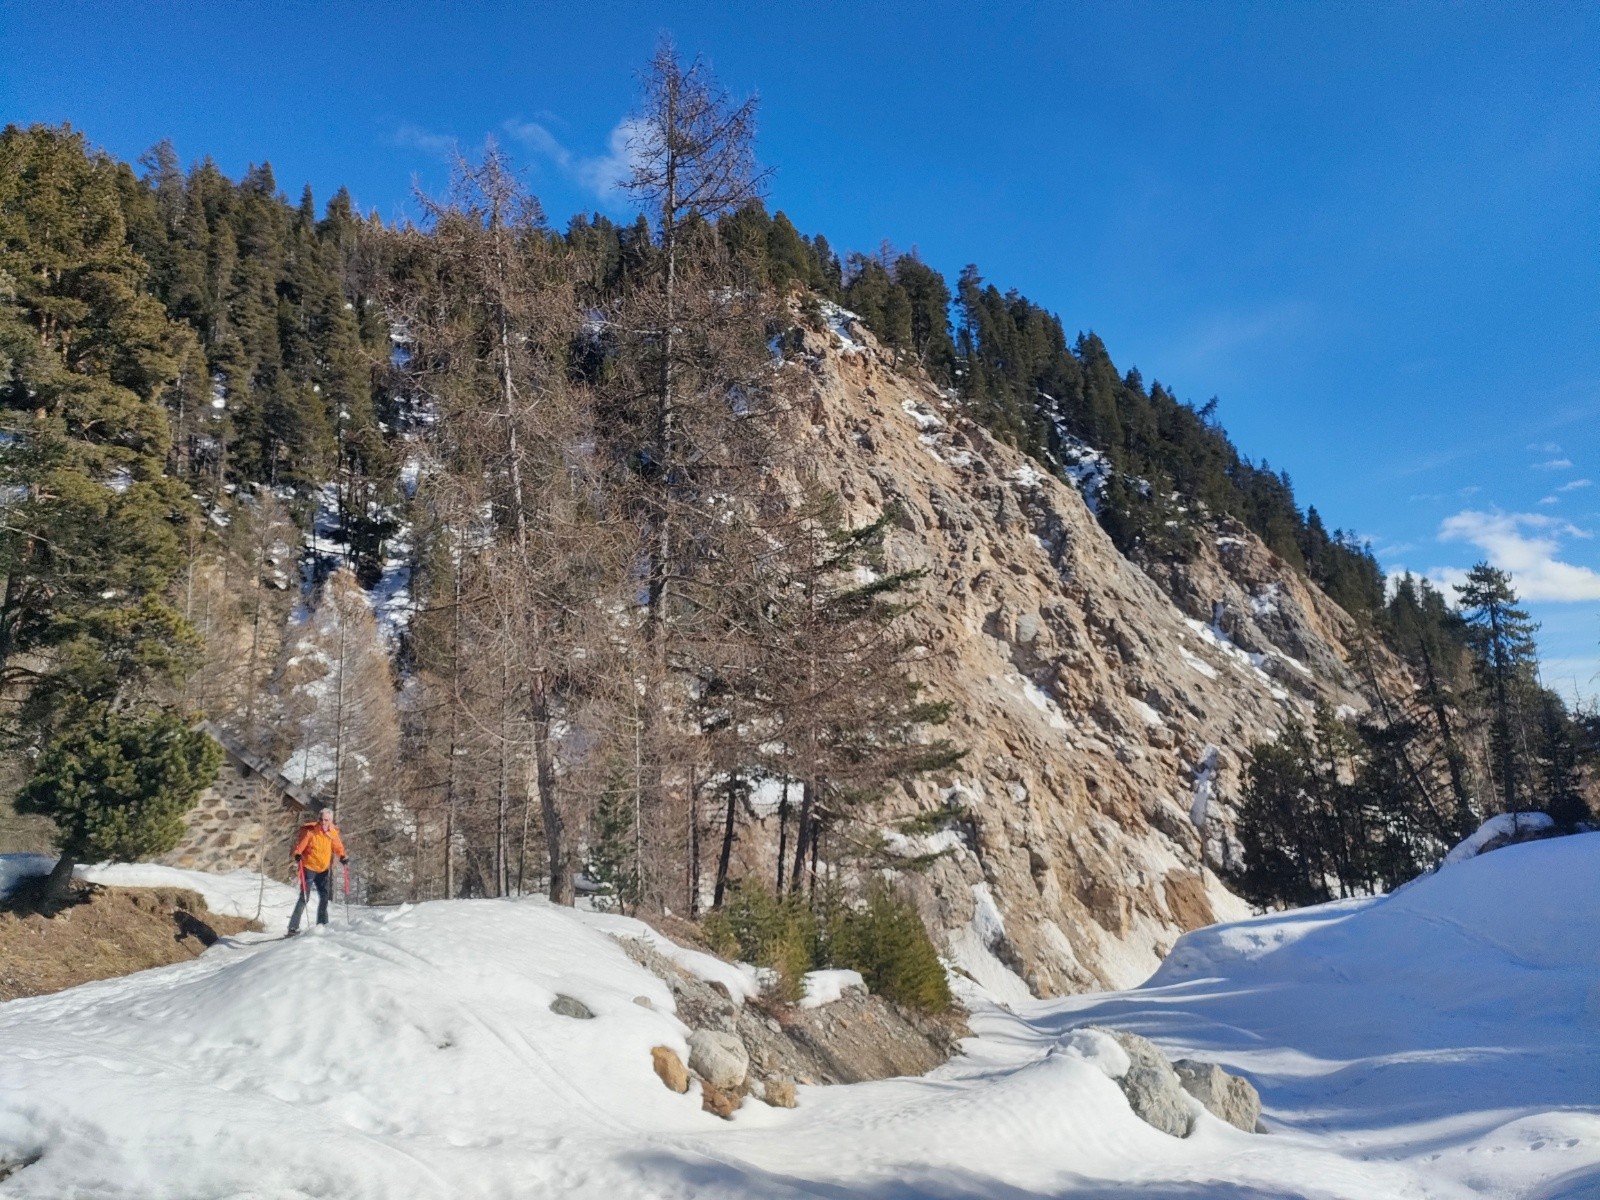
[
  {"x": 544, "y": 763},
  {"x": 58, "y": 887},
  {"x": 727, "y": 842},
  {"x": 783, "y": 832},
  {"x": 803, "y": 834},
  {"x": 1452, "y": 754},
  {"x": 692, "y": 879}
]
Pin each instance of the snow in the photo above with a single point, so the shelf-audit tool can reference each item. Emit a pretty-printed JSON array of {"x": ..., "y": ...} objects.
[
  {"x": 972, "y": 951},
  {"x": 923, "y": 845},
  {"x": 1205, "y": 779},
  {"x": 1145, "y": 713},
  {"x": 1086, "y": 468},
  {"x": 919, "y": 414},
  {"x": 1448, "y": 1034},
  {"x": 828, "y": 987},
  {"x": 766, "y": 796},
  {"x": 739, "y": 979},
  {"x": 1026, "y": 477},
  {"x": 236, "y": 894},
  {"x": 1246, "y": 660},
  {"x": 1036, "y": 696},
  {"x": 1265, "y": 602},
  {"x": 1441, "y": 1043},
  {"x": 1504, "y": 825},
  {"x": 14, "y": 868},
  {"x": 1100, "y": 1050},
  {"x": 840, "y": 324},
  {"x": 1198, "y": 665}
]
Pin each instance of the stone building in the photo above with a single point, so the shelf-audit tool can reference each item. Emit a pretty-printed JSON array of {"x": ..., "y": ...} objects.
[{"x": 246, "y": 819}]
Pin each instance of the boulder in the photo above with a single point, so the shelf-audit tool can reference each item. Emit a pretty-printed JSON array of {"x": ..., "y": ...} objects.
[
  {"x": 1152, "y": 1087},
  {"x": 718, "y": 1058},
  {"x": 670, "y": 1068},
  {"x": 1226, "y": 1096},
  {"x": 779, "y": 1093},
  {"x": 566, "y": 1006},
  {"x": 722, "y": 1102}
]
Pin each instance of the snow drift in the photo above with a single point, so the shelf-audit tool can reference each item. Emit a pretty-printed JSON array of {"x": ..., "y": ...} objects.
[{"x": 1440, "y": 1043}]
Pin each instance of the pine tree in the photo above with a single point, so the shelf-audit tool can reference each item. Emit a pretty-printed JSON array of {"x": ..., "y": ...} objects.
[
  {"x": 92, "y": 532},
  {"x": 117, "y": 787},
  {"x": 1502, "y": 636}
]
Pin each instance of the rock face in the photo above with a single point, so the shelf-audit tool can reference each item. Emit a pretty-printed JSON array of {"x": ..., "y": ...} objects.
[
  {"x": 1229, "y": 1097},
  {"x": 718, "y": 1058},
  {"x": 1104, "y": 723}
]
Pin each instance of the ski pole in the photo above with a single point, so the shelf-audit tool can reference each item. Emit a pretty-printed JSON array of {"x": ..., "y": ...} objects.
[{"x": 346, "y": 868}]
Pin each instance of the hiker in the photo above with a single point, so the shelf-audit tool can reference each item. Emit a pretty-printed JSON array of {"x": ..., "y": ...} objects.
[{"x": 314, "y": 851}]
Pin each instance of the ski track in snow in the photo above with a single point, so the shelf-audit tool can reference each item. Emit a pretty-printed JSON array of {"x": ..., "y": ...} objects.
[{"x": 1437, "y": 1044}]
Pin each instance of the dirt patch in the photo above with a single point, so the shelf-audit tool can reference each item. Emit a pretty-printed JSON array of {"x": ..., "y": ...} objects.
[{"x": 100, "y": 933}]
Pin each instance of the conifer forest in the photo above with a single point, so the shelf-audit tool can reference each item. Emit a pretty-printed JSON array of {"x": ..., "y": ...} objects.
[{"x": 489, "y": 530}]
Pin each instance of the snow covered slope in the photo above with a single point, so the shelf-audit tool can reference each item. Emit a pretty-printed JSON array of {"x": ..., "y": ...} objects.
[{"x": 1441, "y": 1043}]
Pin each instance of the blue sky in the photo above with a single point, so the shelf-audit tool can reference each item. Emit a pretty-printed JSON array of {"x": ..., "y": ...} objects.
[{"x": 1373, "y": 231}]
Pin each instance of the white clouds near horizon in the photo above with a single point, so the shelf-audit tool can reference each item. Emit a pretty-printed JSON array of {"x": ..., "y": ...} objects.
[
  {"x": 601, "y": 174},
  {"x": 1528, "y": 545}
]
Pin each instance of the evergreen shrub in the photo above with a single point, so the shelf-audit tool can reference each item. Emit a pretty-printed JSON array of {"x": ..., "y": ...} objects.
[{"x": 883, "y": 939}]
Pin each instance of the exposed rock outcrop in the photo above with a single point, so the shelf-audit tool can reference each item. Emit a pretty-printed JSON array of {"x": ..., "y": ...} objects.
[
  {"x": 855, "y": 1039},
  {"x": 1104, "y": 723}
]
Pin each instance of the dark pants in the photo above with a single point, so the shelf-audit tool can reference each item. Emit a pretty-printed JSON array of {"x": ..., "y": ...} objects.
[{"x": 324, "y": 883}]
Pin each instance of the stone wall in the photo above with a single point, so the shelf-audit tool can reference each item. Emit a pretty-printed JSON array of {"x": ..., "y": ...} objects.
[{"x": 243, "y": 822}]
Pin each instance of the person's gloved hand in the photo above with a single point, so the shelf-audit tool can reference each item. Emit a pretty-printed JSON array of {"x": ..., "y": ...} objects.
[
  {"x": 343, "y": 859},
  {"x": 298, "y": 857}
]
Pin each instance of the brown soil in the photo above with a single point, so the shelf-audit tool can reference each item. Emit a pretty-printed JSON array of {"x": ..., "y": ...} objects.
[{"x": 101, "y": 932}]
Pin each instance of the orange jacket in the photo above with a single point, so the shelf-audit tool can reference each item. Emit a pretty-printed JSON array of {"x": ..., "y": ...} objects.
[{"x": 318, "y": 848}]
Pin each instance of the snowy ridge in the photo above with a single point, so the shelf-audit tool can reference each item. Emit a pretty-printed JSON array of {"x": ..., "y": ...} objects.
[
  {"x": 1439, "y": 1044},
  {"x": 1501, "y": 826}
]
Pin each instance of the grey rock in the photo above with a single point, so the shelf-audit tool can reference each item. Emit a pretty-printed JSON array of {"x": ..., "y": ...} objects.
[
  {"x": 1152, "y": 1087},
  {"x": 566, "y": 1006},
  {"x": 718, "y": 1058},
  {"x": 1226, "y": 1096}
]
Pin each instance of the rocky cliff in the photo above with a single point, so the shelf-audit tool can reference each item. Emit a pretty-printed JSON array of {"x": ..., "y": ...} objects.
[{"x": 1105, "y": 714}]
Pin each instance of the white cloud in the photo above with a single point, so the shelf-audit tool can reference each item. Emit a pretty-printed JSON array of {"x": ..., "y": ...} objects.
[
  {"x": 1554, "y": 464},
  {"x": 440, "y": 144},
  {"x": 1550, "y": 500},
  {"x": 1527, "y": 545},
  {"x": 601, "y": 174},
  {"x": 1575, "y": 484},
  {"x": 1545, "y": 447}
]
